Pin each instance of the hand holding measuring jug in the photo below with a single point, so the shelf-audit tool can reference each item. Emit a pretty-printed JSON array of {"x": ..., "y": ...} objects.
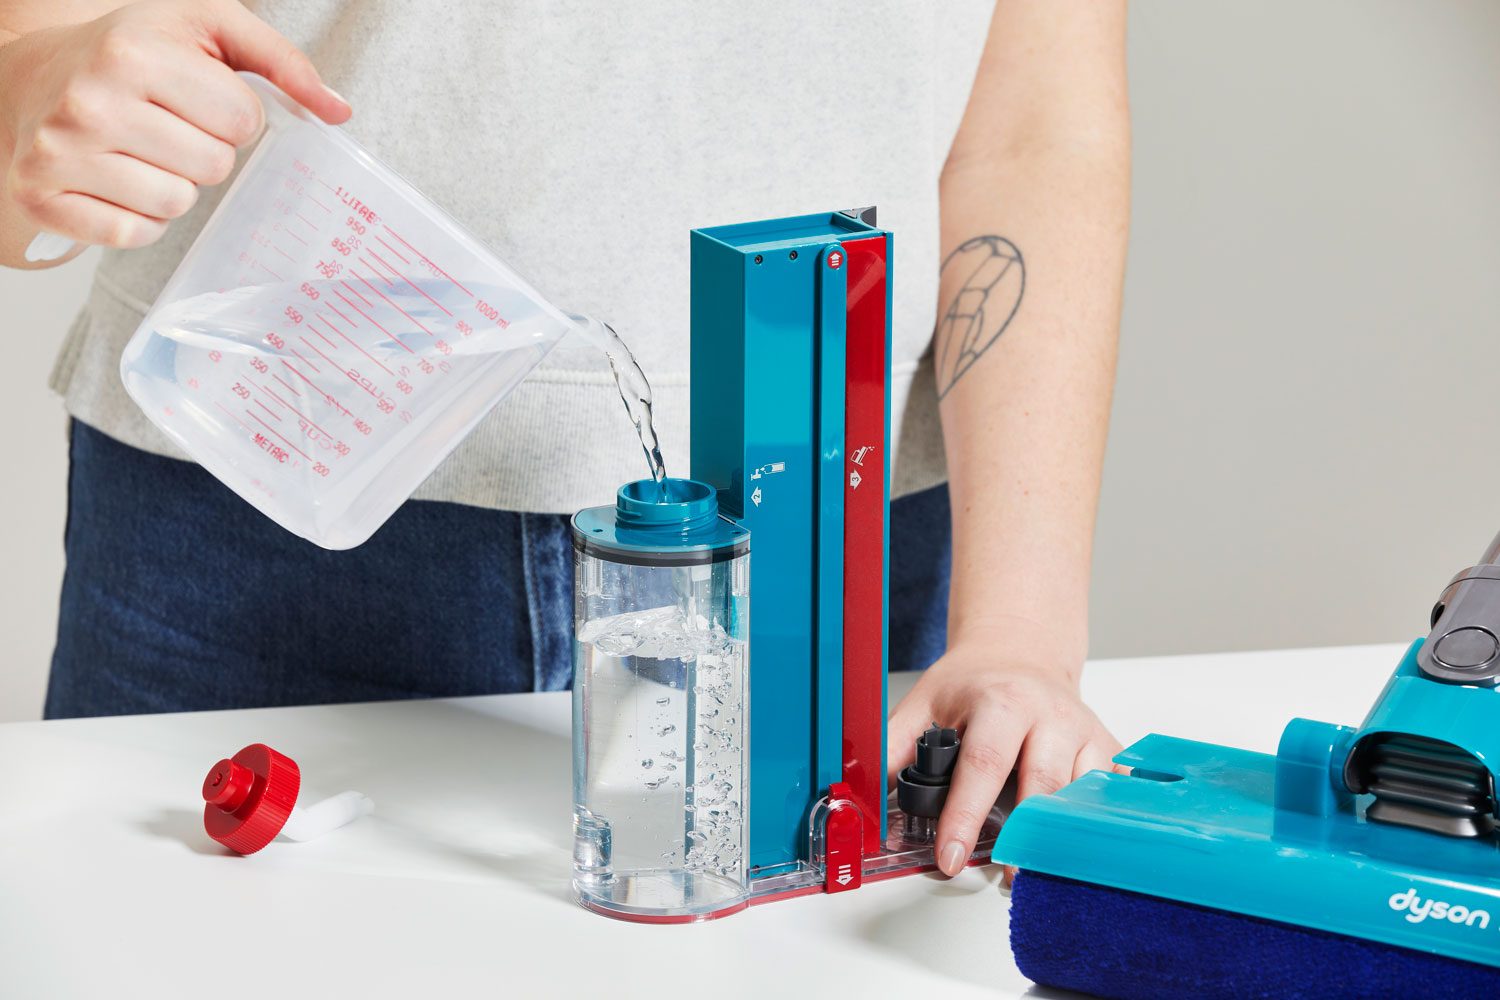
[{"x": 108, "y": 127}]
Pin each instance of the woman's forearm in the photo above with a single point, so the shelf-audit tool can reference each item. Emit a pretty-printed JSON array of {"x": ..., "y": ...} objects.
[{"x": 1035, "y": 215}]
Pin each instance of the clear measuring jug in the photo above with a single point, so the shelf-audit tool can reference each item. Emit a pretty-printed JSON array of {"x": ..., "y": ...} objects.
[
  {"x": 331, "y": 335},
  {"x": 660, "y": 702}
]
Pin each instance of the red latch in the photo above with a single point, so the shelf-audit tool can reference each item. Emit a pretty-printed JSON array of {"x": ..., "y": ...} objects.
[{"x": 842, "y": 834}]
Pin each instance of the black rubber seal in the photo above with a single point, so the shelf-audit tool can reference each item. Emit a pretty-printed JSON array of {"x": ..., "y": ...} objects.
[{"x": 635, "y": 557}]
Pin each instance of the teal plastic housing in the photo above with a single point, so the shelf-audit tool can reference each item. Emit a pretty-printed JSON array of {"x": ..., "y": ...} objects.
[
  {"x": 768, "y": 378},
  {"x": 1279, "y": 837},
  {"x": 1466, "y": 715}
]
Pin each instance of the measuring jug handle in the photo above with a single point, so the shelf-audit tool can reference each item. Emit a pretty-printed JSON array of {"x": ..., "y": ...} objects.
[
  {"x": 279, "y": 107},
  {"x": 49, "y": 246}
]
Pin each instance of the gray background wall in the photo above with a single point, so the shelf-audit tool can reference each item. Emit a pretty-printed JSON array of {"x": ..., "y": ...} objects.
[{"x": 1307, "y": 415}]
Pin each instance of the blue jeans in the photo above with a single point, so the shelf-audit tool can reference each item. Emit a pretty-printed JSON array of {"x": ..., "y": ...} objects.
[{"x": 179, "y": 596}]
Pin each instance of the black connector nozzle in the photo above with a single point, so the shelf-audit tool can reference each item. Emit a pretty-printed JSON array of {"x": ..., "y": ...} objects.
[{"x": 922, "y": 788}]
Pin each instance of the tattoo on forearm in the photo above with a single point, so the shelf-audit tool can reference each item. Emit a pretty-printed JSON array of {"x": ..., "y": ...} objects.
[{"x": 992, "y": 279}]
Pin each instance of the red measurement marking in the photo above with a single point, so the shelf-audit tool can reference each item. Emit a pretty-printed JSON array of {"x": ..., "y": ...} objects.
[
  {"x": 356, "y": 291},
  {"x": 272, "y": 412},
  {"x": 328, "y": 186},
  {"x": 304, "y": 360},
  {"x": 367, "y": 386},
  {"x": 283, "y": 253},
  {"x": 372, "y": 319},
  {"x": 378, "y": 272},
  {"x": 394, "y": 252},
  {"x": 320, "y": 335},
  {"x": 314, "y": 387},
  {"x": 325, "y": 357},
  {"x": 329, "y": 399},
  {"x": 289, "y": 387},
  {"x": 305, "y": 219},
  {"x": 269, "y": 271},
  {"x": 271, "y": 393},
  {"x": 316, "y": 202},
  {"x": 231, "y": 416},
  {"x": 274, "y": 431},
  {"x": 392, "y": 304},
  {"x": 363, "y": 351},
  {"x": 428, "y": 259},
  {"x": 295, "y": 236},
  {"x": 341, "y": 315},
  {"x": 409, "y": 282}
]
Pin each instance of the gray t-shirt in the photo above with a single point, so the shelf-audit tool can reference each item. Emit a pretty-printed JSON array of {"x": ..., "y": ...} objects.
[{"x": 582, "y": 141}]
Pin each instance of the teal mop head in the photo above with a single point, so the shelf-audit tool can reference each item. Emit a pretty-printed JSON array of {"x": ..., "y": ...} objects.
[{"x": 1353, "y": 863}]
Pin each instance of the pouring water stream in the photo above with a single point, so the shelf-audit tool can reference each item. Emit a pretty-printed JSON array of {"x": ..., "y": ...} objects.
[{"x": 635, "y": 391}]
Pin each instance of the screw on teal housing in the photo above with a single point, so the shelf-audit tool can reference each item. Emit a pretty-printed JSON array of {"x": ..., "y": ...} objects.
[{"x": 672, "y": 523}]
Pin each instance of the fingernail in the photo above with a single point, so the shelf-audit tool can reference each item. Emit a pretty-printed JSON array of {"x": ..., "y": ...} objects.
[
  {"x": 47, "y": 246},
  {"x": 951, "y": 861},
  {"x": 336, "y": 95}
]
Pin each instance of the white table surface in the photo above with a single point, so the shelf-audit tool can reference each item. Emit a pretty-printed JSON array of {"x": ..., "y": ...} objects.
[{"x": 458, "y": 884}]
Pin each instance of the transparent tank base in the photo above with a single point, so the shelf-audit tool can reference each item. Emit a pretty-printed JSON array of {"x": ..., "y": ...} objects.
[
  {"x": 908, "y": 850},
  {"x": 668, "y": 896}
]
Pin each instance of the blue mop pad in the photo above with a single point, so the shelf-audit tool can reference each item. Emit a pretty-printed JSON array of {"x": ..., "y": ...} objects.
[{"x": 1128, "y": 946}]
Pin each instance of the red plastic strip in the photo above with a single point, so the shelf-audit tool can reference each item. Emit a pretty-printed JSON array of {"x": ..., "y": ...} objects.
[{"x": 865, "y": 452}]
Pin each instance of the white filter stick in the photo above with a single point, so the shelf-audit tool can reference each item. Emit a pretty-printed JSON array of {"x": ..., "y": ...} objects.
[{"x": 312, "y": 821}]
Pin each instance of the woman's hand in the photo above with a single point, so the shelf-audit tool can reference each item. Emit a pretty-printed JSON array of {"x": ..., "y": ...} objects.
[
  {"x": 108, "y": 127},
  {"x": 1015, "y": 711}
]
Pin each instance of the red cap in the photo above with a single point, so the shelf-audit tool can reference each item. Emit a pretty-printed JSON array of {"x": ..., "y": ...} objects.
[{"x": 249, "y": 797}]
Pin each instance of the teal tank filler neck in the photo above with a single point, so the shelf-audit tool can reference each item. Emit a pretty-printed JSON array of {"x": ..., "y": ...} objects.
[{"x": 672, "y": 523}]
